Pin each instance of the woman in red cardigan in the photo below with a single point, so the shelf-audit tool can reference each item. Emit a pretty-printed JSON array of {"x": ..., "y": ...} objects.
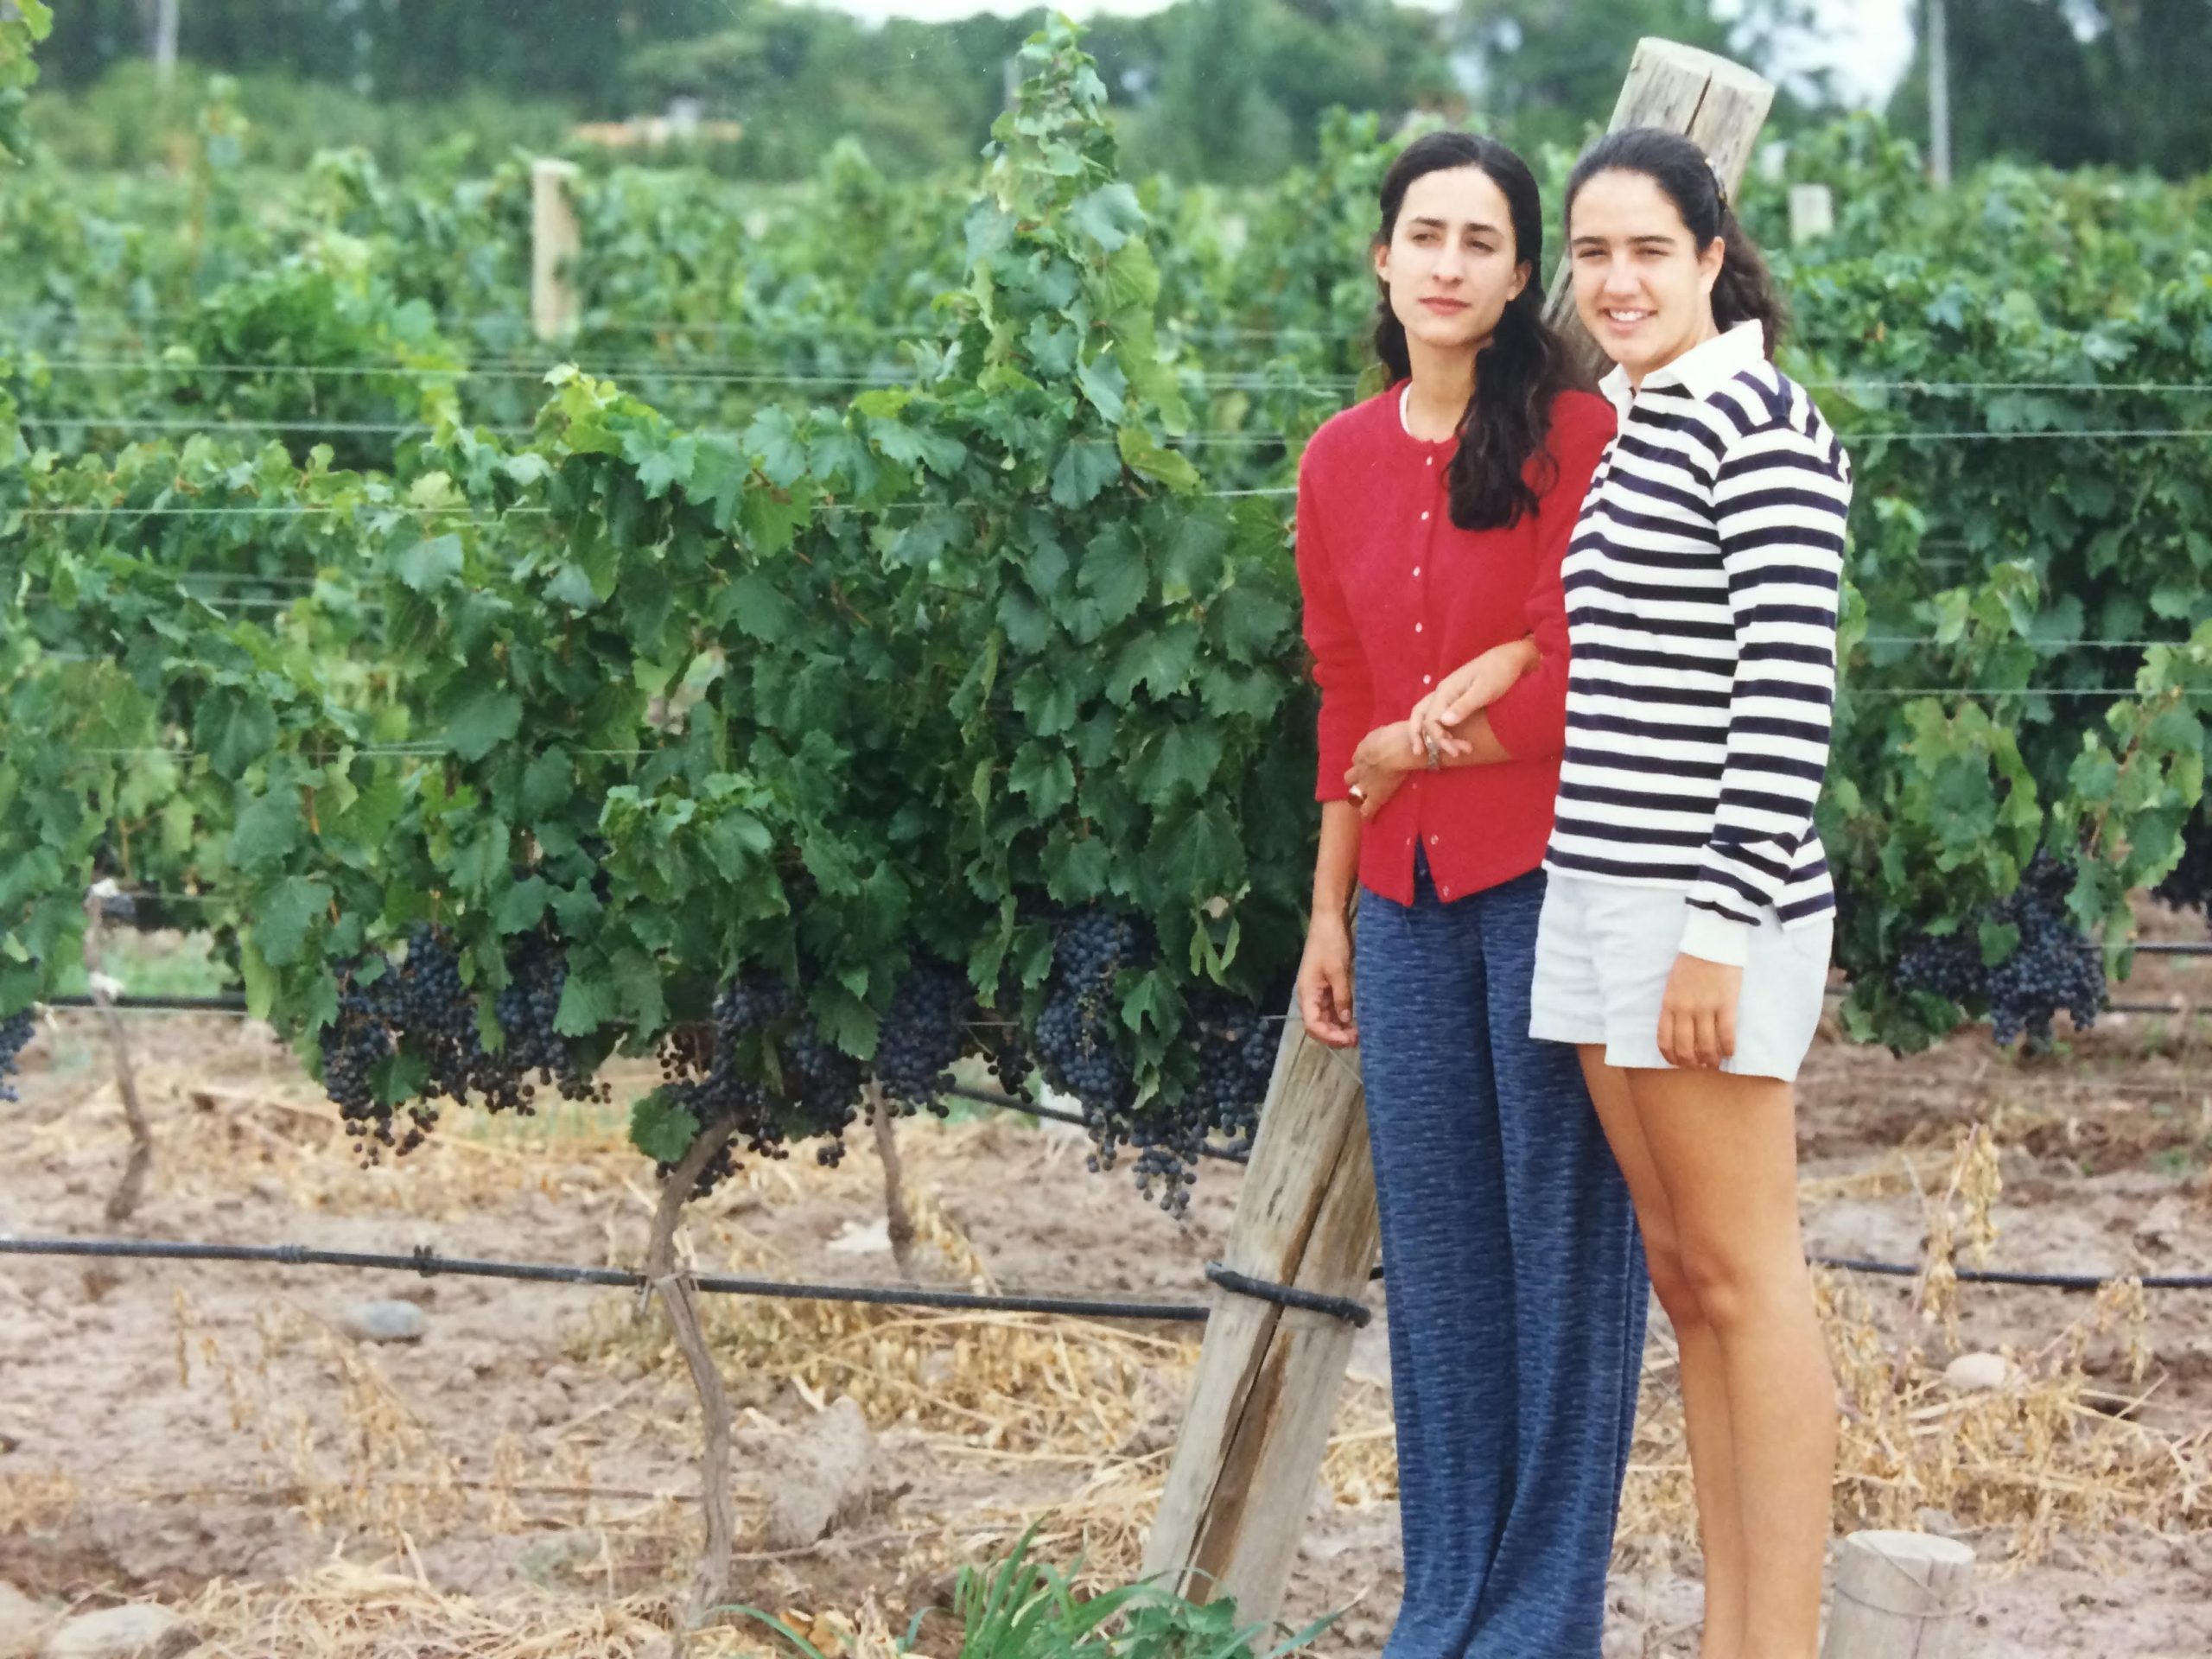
[{"x": 1432, "y": 520}]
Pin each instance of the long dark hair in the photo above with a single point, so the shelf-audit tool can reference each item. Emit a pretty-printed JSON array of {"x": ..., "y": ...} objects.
[
  {"x": 1744, "y": 291},
  {"x": 1522, "y": 369}
]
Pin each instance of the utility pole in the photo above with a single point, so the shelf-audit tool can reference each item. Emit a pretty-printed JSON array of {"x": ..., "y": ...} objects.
[
  {"x": 160, "y": 19},
  {"x": 1939, "y": 93}
]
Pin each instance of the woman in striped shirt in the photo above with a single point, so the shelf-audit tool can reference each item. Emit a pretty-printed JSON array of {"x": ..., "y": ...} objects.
[
  {"x": 1432, "y": 519},
  {"x": 1684, "y": 943}
]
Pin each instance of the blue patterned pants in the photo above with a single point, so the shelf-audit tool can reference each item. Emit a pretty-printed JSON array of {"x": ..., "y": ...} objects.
[{"x": 1515, "y": 1281}]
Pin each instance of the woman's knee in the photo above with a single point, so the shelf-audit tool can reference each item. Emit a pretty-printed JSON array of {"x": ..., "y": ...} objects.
[
  {"x": 1670, "y": 1279},
  {"x": 1734, "y": 1282}
]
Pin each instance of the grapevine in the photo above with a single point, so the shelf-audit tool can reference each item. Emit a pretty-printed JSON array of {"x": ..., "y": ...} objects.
[{"x": 935, "y": 692}]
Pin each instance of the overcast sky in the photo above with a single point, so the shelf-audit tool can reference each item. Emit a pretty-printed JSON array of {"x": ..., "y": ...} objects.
[{"x": 1867, "y": 41}]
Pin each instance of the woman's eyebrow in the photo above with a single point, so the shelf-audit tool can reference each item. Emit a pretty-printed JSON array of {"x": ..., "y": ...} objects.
[
  {"x": 1641, "y": 239},
  {"x": 1474, "y": 224}
]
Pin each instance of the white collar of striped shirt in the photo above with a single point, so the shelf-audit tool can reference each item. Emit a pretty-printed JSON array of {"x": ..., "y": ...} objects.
[{"x": 1701, "y": 371}]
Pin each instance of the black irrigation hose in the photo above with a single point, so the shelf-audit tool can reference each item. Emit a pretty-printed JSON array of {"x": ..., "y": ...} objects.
[
  {"x": 2000, "y": 1276},
  {"x": 428, "y": 1263},
  {"x": 231, "y": 1002},
  {"x": 2033, "y": 1281}
]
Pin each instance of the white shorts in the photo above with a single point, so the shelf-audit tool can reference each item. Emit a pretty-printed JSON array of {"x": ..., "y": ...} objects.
[{"x": 1604, "y": 951}]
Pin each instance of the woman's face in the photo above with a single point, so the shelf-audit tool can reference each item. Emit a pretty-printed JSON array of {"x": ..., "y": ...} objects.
[
  {"x": 1451, "y": 265},
  {"x": 1643, "y": 287}
]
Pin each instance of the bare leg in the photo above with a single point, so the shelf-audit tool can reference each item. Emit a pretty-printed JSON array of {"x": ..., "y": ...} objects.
[
  {"x": 1704, "y": 1383},
  {"x": 1725, "y": 1152}
]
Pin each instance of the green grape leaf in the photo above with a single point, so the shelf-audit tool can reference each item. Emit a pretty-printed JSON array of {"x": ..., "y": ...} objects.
[{"x": 661, "y": 1129}]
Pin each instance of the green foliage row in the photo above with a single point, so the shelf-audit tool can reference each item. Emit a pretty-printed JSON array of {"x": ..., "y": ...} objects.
[{"x": 993, "y": 619}]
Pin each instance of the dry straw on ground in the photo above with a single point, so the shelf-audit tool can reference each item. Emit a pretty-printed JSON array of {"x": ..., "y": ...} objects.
[{"x": 1011, "y": 1399}]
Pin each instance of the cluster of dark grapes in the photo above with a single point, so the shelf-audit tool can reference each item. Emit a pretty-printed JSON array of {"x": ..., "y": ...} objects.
[
  {"x": 2189, "y": 883},
  {"x": 418, "y": 1005},
  {"x": 1080, "y": 1053},
  {"x": 1076, "y": 1028},
  {"x": 14, "y": 1032},
  {"x": 1237, "y": 1048},
  {"x": 723, "y": 1075},
  {"x": 2055, "y": 965},
  {"x": 924, "y": 1032}
]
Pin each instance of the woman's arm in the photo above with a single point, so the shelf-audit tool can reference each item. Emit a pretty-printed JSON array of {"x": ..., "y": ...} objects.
[
  {"x": 1530, "y": 716},
  {"x": 1324, "y": 1003},
  {"x": 1339, "y": 660},
  {"x": 1782, "y": 498}
]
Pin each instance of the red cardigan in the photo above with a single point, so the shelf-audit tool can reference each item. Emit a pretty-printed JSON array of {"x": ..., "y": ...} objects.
[{"x": 1397, "y": 596}]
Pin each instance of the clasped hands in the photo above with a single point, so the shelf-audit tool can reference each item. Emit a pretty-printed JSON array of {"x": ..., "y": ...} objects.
[{"x": 1386, "y": 754}]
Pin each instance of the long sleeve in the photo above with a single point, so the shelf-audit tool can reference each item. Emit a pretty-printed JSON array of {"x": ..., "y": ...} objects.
[
  {"x": 1339, "y": 660},
  {"x": 1530, "y": 719},
  {"x": 1780, "y": 500}
]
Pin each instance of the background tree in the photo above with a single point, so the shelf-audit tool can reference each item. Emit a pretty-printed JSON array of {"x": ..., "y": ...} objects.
[
  {"x": 1548, "y": 70},
  {"x": 2074, "y": 83}
]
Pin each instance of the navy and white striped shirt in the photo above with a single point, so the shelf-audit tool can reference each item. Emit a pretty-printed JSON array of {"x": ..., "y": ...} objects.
[{"x": 1702, "y": 585}]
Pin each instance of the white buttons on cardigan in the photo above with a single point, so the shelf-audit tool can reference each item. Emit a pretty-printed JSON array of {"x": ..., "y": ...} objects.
[
  {"x": 1416, "y": 569},
  {"x": 1424, "y": 518},
  {"x": 1432, "y": 841},
  {"x": 1424, "y": 679},
  {"x": 1416, "y": 627}
]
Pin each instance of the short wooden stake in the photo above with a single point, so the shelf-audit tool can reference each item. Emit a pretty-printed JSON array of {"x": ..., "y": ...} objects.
[
  {"x": 1812, "y": 212},
  {"x": 554, "y": 242},
  {"x": 1241, "y": 1485},
  {"x": 1900, "y": 1595},
  {"x": 1720, "y": 105}
]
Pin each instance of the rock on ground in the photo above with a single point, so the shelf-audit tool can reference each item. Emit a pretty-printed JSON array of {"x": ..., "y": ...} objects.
[
  {"x": 384, "y": 1322},
  {"x": 141, "y": 1631},
  {"x": 827, "y": 1479},
  {"x": 23, "y": 1621}
]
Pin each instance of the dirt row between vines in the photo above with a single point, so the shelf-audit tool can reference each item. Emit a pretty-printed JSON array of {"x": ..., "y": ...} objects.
[{"x": 521, "y": 1480}]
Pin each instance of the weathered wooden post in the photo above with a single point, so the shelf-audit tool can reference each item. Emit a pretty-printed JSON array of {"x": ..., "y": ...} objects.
[
  {"x": 1812, "y": 212},
  {"x": 555, "y": 241},
  {"x": 1241, "y": 1483},
  {"x": 1900, "y": 1595}
]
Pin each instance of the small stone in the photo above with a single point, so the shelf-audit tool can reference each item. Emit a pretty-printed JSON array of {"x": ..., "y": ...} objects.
[
  {"x": 2162, "y": 1227},
  {"x": 828, "y": 1479},
  {"x": 141, "y": 1631},
  {"x": 384, "y": 1322},
  {"x": 23, "y": 1621},
  {"x": 1942, "y": 1523},
  {"x": 1978, "y": 1373}
]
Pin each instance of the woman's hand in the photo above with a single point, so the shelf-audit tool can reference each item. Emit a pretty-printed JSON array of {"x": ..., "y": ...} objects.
[
  {"x": 1385, "y": 755},
  {"x": 1324, "y": 984},
  {"x": 1697, "y": 1018},
  {"x": 1469, "y": 687}
]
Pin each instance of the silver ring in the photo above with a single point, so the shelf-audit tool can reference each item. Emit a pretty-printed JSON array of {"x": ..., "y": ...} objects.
[{"x": 1356, "y": 793}]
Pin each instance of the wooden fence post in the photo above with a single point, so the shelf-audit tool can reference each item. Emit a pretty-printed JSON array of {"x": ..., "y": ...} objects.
[
  {"x": 1257, "y": 1426},
  {"x": 555, "y": 241},
  {"x": 1241, "y": 1484},
  {"x": 1812, "y": 212},
  {"x": 1719, "y": 104},
  {"x": 1900, "y": 1595}
]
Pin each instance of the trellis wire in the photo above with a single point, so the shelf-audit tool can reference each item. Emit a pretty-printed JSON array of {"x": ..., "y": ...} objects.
[
  {"x": 787, "y": 371},
  {"x": 407, "y": 429}
]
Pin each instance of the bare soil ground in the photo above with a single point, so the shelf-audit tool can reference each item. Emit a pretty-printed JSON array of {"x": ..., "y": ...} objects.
[{"x": 523, "y": 1478}]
